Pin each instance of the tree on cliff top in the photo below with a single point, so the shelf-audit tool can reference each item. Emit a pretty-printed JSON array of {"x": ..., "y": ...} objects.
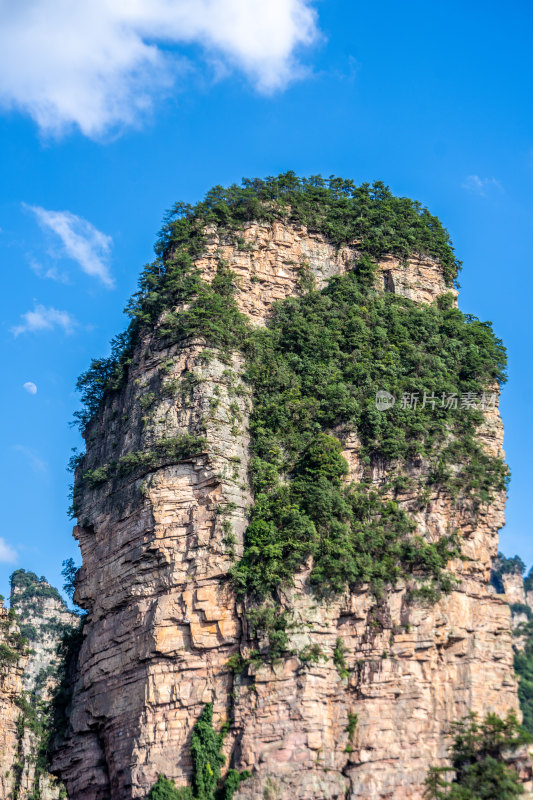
[{"x": 338, "y": 209}]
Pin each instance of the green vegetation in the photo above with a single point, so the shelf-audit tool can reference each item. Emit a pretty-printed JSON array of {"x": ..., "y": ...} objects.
[
  {"x": 508, "y": 566},
  {"x": 166, "y": 789},
  {"x": 68, "y": 651},
  {"x": 339, "y": 658},
  {"x": 528, "y": 581},
  {"x": 14, "y": 643},
  {"x": 165, "y": 451},
  {"x": 523, "y": 664},
  {"x": 480, "y": 770},
  {"x": 337, "y": 208},
  {"x": 314, "y": 372},
  {"x": 69, "y": 573},
  {"x": 233, "y": 780},
  {"x": 316, "y": 368},
  {"x": 29, "y": 631},
  {"x": 42, "y": 718},
  {"x": 271, "y": 623},
  {"x": 8, "y": 655},
  {"x": 170, "y": 388},
  {"x": 206, "y": 752},
  {"x": 27, "y": 586},
  {"x": 352, "y": 725},
  {"x": 213, "y": 304},
  {"x": 505, "y": 566},
  {"x": 237, "y": 663},
  {"x": 312, "y": 654},
  {"x": 34, "y": 717},
  {"x": 147, "y": 400},
  {"x": 521, "y": 608}
]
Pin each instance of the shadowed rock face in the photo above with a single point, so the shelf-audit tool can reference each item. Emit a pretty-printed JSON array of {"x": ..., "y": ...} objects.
[{"x": 163, "y": 619}]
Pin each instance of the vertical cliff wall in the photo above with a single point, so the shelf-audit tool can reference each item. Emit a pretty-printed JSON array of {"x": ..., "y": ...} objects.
[
  {"x": 361, "y": 698},
  {"x": 508, "y": 581},
  {"x": 43, "y": 618},
  {"x": 30, "y": 668},
  {"x": 11, "y": 665}
]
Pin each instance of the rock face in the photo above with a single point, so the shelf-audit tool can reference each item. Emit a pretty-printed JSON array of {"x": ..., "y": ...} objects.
[
  {"x": 513, "y": 585},
  {"x": 10, "y": 690},
  {"x": 163, "y": 620},
  {"x": 269, "y": 265},
  {"x": 43, "y": 617},
  {"x": 507, "y": 580}
]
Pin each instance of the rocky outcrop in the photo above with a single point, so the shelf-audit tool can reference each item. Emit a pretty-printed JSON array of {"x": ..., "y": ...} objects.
[
  {"x": 513, "y": 585},
  {"x": 40, "y": 617},
  {"x": 270, "y": 259},
  {"x": 507, "y": 579},
  {"x": 44, "y": 617},
  {"x": 163, "y": 621},
  {"x": 11, "y": 667}
]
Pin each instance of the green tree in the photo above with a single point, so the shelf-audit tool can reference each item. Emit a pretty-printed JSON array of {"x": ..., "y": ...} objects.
[
  {"x": 166, "y": 789},
  {"x": 206, "y": 745},
  {"x": 206, "y": 752},
  {"x": 480, "y": 771},
  {"x": 69, "y": 573},
  {"x": 523, "y": 664}
]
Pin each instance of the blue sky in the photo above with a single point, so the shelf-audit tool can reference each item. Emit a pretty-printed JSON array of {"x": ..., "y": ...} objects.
[{"x": 107, "y": 117}]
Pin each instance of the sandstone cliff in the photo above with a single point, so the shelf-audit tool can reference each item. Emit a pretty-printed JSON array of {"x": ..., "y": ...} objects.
[
  {"x": 43, "y": 619},
  {"x": 11, "y": 665},
  {"x": 43, "y": 616},
  {"x": 359, "y": 703},
  {"x": 508, "y": 581}
]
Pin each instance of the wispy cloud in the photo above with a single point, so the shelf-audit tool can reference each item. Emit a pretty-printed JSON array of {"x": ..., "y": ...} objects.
[
  {"x": 36, "y": 463},
  {"x": 44, "y": 319},
  {"x": 481, "y": 186},
  {"x": 80, "y": 240},
  {"x": 100, "y": 64},
  {"x": 52, "y": 273},
  {"x": 8, "y": 554}
]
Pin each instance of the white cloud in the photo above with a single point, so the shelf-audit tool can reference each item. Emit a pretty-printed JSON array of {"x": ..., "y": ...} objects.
[
  {"x": 48, "y": 272},
  {"x": 481, "y": 186},
  {"x": 81, "y": 241},
  {"x": 98, "y": 64},
  {"x": 44, "y": 319},
  {"x": 7, "y": 554},
  {"x": 36, "y": 463},
  {"x": 30, "y": 387}
]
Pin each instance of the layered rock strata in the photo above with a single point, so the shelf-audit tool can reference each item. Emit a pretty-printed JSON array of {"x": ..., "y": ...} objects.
[
  {"x": 163, "y": 620},
  {"x": 43, "y": 618},
  {"x": 10, "y": 690}
]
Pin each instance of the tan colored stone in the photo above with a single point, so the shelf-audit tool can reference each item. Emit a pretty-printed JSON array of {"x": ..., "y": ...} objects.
[
  {"x": 163, "y": 620},
  {"x": 10, "y": 690}
]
